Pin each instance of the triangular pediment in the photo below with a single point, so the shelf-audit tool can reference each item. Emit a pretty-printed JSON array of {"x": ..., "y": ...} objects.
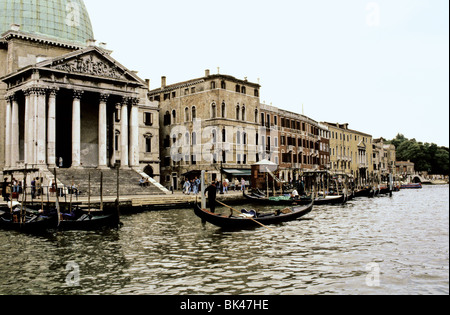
[{"x": 91, "y": 61}]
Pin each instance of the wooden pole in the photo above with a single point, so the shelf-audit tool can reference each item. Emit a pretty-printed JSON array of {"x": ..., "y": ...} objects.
[
  {"x": 101, "y": 191},
  {"x": 41, "y": 192},
  {"x": 118, "y": 197},
  {"x": 70, "y": 200},
  {"x": 58, "y": 210},
  {"x": 89, "y": 193}
]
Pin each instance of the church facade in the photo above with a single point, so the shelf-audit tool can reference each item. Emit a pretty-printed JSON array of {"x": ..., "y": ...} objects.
[{"x": 69, "y": 104}]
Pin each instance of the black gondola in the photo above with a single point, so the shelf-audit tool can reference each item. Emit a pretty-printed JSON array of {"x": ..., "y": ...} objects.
[
  {"x": 29, "y": 222},
  {"x": 365, "y": 192},
  {"x": 256, "y": 198},
  {"x": 88, "y": 222},
  {"x": 239, "y": 223},
  {"x": 330, "y": 200}
]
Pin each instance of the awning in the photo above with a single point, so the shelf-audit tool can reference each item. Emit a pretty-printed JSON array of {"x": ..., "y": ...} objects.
[{"x": 237, "y": 172}]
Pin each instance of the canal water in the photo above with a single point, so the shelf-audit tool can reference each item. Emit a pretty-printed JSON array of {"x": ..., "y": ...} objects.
[{"x": 397, "y": 245}]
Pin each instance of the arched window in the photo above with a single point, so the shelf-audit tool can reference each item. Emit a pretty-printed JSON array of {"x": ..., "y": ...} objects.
[
  {"x": 256, "y": 93},
  {"x": 224, "y": 135},
  {"x": 186, "y": 114},
  {"x": 256, "y": 116},
  {"x": 244, "y": 138},
  {"x": 174, "y": 116},
  {"x": 243, "y": 113},
  {"x": 223, "y": 85},
  {"x": 213, "y": 110},
  {"x": 187, "y": 140},
  {"x": 224, "y": 110},
  {"x": 238, "y": 110},
  {"x": 238, "y": 88},
  {"x": 194, "y": 113},
  {"x": 238, "y": 137},
  {"x": 194, "y": 138},
  {"x": 244, "y": 90},
  {"x": 213, "y": 85}
]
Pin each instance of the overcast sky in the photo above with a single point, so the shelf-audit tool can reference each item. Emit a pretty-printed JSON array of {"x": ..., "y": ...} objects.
[{"x": 381, "y": 66}]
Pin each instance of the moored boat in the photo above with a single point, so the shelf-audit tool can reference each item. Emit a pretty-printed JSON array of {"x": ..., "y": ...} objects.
[
  {"x": 235, "y": 222},
  {"x": 281, "y": 200},
  {"x": 330, "y": 200},
  {"x": 26, "y": 220},
  {"x": 411, "y": 186}
]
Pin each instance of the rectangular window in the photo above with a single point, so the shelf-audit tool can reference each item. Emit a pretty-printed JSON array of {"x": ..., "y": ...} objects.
[{"x": 148, "y": 119}]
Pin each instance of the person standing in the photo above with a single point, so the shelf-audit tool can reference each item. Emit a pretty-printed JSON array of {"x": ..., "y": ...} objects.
[
  {"x": 225, "y": 186},
  {"x": 196, "y": 185},
  {"x": 242, "y": 184},
  {"x": 212, "y": 194},
  {"x": 186, "y": 187}
]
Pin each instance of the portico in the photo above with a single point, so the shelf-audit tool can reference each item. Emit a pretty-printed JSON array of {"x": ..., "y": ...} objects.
[{"x": 80, "y": 110}]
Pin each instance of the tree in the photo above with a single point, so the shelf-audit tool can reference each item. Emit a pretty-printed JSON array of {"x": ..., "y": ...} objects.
[{"x": 426, "y": 157}]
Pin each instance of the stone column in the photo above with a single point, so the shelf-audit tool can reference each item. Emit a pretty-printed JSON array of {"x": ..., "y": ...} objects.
[
  {"x": 102, "y": 132},
  {"x": 51, "y": 129},
  {"x": 15, "y": 136},
  {"x": 76, "y": 129},
  {"x": 29, "y": 127},
  {"x": 8, "y": 132},
  {"x": 41, "y": 127},
  {"x": 134, "y": 134},
  {"x": 124, "y": 135}
]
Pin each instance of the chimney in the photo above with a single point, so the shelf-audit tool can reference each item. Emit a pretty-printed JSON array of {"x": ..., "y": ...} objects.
[
  {"x": 207, "y": 73},
  {"x": 163, "y": 82},
  {"x": 147, "y": 81}
]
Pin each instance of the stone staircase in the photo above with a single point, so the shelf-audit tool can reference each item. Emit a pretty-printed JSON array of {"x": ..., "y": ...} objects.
[{"x": 128, "y": 182}]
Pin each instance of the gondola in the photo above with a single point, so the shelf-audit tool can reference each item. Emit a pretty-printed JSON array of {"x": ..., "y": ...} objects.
[
  {"x": 256, "y": 198},
  {"x": 88, "y": 222},
  {"x": 330, "y": 200},
  {"x": 365, "y": 192},
  {"x": 241, "y": 222},
  {"x": 30, "y": 223}
]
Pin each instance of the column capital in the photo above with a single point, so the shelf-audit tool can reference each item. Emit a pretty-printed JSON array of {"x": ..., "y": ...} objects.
[
  {"x": 134, "y": 101},
  {"x": 53, "y": 91},
  {"x": 35, "y": 90},
  {"x": 104, "y": 97},
  {"x": 77, "y": 94},
  {"x": 10, "y": 97}
]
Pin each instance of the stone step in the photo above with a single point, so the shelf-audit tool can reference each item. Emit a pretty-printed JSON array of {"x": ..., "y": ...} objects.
[{"x": 128, "y": 182}]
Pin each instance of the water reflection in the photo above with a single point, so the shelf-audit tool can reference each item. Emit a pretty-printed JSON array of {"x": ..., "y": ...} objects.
[{"x": 171, "y": 252}]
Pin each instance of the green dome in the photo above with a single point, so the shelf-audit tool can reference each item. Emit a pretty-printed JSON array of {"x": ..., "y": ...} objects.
[{"x": 65, "y": 20}]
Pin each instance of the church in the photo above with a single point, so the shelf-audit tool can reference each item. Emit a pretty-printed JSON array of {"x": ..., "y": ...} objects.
[{"x": 66, "y": 102}]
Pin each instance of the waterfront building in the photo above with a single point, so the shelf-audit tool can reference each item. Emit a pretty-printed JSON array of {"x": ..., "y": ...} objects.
[
  {"x": 295, "y": 142},
  {"x": 210, "y": 123},
  {"x": 65, "y": 101},
  {"x": 384, "y": 158},
  {"x": 351, "y": 152},
  {"x": 405, "y": 168}
]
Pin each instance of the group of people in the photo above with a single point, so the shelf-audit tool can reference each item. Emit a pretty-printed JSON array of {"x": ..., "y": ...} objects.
[
  {"x": 14, "y": 188},
  {"x": 191, "y": 186}
]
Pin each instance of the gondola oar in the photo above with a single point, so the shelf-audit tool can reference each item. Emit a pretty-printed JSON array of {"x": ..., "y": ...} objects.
[{"x": 248, "y": 218}]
